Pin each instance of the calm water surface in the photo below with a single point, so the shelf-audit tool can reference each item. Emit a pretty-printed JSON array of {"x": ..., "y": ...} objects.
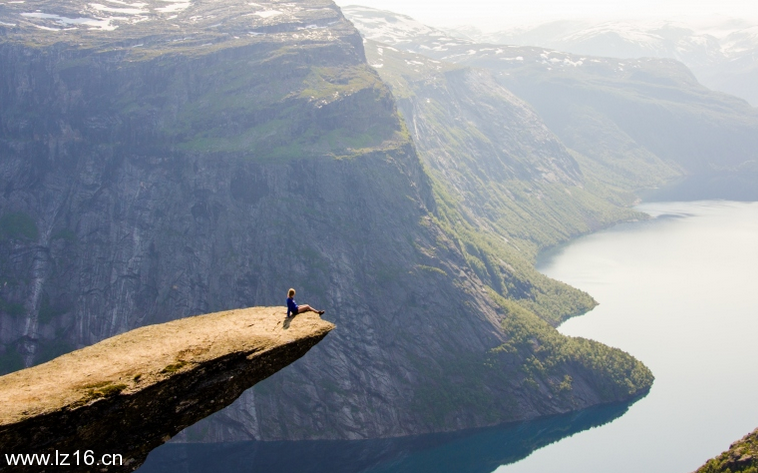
[{"x": 679, "y": 292}]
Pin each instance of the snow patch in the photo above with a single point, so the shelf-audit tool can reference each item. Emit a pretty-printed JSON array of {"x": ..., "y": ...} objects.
[
  {"x": 133, "y": 5},
  {"x": 174, "y": 7},
  {"x": 124, "y": 11},
  {"x": 268, "y": 13},
  {"x": 101, "y": 24},
  {"x": 46, "y": 28}
]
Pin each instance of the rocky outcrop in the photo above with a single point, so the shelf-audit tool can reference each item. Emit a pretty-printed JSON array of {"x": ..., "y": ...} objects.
[
  {"x": 130, "y": 393},
  {"x": 742, "y": 457}
]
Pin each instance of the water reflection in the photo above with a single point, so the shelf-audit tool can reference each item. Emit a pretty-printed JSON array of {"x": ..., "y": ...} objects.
[{"x": 472, "y": 451}]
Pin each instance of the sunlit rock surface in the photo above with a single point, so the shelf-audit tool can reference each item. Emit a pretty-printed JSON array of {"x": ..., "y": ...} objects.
[{"x": 130, "y": 393}]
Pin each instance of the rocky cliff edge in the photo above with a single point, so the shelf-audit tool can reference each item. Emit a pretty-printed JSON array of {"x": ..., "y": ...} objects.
[{"x": 130, "y": 393}]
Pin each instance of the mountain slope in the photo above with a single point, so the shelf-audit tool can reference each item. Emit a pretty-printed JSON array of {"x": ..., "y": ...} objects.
[
  {"x": 639, "y": 123},
  {"x": 505, "y": 185},
  {"x": 210, "y": 155},
  {"x": 741, "y": 457},
  {"x": 721, "y": 53}
]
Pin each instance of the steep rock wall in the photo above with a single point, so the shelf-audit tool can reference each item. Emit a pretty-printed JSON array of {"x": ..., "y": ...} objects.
[{"x": 150, "y": 174}]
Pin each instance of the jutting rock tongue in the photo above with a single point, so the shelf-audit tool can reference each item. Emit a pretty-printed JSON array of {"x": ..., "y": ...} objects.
[{"x": 130, "y": 393}]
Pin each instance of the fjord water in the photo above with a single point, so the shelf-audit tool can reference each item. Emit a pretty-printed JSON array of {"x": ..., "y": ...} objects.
[{"x": 678, "y": 291}]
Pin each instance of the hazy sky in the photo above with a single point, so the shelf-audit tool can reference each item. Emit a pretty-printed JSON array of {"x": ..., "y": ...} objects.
[{"x": 451, "y": 12}]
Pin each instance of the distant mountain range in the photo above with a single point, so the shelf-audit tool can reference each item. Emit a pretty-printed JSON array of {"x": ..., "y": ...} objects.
[
  {"x": 642, "y": 121},
  {"x": 723, "y": 54}
]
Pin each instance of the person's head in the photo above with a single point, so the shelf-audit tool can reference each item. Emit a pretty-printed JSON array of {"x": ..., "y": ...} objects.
[{"x": 291, "y": 293}]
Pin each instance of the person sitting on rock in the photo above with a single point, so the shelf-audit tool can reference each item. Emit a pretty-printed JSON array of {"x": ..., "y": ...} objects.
[{"x": 294, "y": 309}]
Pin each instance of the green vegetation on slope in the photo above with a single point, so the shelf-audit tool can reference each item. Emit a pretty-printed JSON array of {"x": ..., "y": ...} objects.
[
  {"x": 505, "y": 268},
  {"x": 554, "y": 358},
  {"x": 742, "y": 457},
  {"x": 505, "y": 187},
  {"x": 536, "y": 365},
  {"x": 287, "y": 111}
]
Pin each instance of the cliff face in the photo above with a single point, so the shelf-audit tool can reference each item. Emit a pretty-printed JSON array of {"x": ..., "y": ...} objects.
[
  {"x": 130, "y": 393},
  {"x": 505, "y": 184},
  {"x": 210, "y": 155}
]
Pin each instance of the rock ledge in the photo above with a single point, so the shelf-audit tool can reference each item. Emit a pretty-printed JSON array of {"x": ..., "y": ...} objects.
[{"x": 130, "y": 393}]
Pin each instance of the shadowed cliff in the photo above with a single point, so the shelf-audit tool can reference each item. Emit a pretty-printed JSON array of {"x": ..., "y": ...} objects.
[{"x": 130, "y": 393}]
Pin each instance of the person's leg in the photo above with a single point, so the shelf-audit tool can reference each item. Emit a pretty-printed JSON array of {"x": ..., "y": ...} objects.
[{"x": 307, "y": 308}]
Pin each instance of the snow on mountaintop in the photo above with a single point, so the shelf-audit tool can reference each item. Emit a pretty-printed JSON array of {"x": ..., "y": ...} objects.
[
  {"x": 693, "y": 44},
  {"x": 200, "y": 22},
  {"x": 723, "y": 54},
  {"x": 392, "y": 28},
  {"x": 411, "y": 36}
]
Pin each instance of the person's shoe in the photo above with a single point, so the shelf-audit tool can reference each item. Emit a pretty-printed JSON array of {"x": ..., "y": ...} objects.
[{"x": 320, "y": 312}]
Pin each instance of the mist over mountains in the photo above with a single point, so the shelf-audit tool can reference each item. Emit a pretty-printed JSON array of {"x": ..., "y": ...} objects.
[
  {"x": 642, "y": 121},
  {"x": 722, "y": 53}
]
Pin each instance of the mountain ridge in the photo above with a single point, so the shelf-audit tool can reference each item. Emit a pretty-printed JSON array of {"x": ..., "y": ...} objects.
[{"x": 635, "y": 123}]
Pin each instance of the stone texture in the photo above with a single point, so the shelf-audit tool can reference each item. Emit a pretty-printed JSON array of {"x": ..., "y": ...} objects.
[{"x": 130, "y": 393}]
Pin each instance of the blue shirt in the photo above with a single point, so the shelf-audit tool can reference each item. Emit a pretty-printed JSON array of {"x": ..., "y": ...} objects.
[{"x": 291, "y": 306}]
